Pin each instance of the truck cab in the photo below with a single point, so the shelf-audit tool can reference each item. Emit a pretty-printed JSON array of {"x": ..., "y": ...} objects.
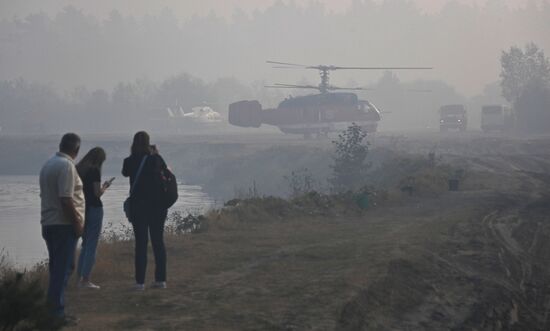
[{"x": 453, "y": 117}]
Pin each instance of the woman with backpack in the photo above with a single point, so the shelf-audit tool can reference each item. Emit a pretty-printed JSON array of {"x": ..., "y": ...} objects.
[
  {"x": 147, "y": 210},
  {"x": 89, "y": 170}
]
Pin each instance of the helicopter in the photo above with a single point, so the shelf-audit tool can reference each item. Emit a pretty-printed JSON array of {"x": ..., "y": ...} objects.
[{"x": 332, "y": 109}]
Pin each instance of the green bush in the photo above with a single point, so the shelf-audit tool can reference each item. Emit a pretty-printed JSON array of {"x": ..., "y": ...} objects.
[{"x": 349, "y": 168}]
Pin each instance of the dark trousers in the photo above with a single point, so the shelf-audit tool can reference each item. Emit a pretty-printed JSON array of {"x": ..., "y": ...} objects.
[
  {"x": 61, "y": 242},
  {"x": 145, "y": 226}
]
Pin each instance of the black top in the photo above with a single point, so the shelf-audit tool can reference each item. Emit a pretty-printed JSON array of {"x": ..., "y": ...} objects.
[
  {"x": 146, "y": 195},
  {"x": 92, "y": 176}
]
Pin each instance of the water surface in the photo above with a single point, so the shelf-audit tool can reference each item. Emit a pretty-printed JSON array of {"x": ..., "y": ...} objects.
[{"x": 20, "y": 235}]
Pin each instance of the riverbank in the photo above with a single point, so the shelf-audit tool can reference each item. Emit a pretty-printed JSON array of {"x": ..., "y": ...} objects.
[
  {"x": 226, "y": 166},
  {"x": 20, "y": 234},
  {"x": 456, "y": 261},
  {"x": 430, "y": 260}
]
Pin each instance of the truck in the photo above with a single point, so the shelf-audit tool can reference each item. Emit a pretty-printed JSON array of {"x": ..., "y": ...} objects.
[
  {"x": 497, "y": 118},
  {"x": 453, "y": 117}
]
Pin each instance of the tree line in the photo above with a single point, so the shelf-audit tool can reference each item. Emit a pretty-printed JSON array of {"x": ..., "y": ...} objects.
[
  {"x": 73, "y": 48},
  {"x": 35, "y": 108},
  {"x": 30, "y": 107},
  {"x": 110, "y": 74},
  {"x": 526, "y": 85}
]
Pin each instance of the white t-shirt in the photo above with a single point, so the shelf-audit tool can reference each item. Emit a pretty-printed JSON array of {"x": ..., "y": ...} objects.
[{"x": 59, "y": 179}]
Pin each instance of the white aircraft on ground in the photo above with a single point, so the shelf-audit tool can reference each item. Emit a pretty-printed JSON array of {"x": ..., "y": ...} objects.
[{"x": 202, "y": 114}]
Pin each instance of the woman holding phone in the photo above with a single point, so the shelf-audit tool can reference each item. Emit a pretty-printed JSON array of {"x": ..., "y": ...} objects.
[{"x": 89, "y": 170}]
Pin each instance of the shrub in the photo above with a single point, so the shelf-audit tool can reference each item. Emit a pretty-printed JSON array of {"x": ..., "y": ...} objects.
[
  {"x": 299, "y": 182},
  {"x": 23, "y": 304},
  {"x": 178, "y": 224},
  {"x": 119, "y": 231},
  {"x": 349, "y": 166}
]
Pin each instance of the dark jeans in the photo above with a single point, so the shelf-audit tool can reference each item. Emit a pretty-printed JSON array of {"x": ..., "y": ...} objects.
[
  {"x": 90, "y": 238},
  {"x": 145, "y": 225},
  {"x": 61, "y": 242}
]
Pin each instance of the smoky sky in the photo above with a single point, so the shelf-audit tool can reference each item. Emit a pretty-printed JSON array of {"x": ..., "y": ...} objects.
[
  {"x": 461, "y": 39},
  {"x": 188, "y": 8}
]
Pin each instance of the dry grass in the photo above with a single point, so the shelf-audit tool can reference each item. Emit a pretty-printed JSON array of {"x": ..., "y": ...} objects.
[
  {"x": 431, "y": 261},
  {"x": 428, "y": 261},
  {"x": 294, "y": 272}
]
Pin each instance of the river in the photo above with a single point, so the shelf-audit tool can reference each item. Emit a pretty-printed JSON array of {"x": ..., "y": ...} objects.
[{"x": 20, "y": 236}]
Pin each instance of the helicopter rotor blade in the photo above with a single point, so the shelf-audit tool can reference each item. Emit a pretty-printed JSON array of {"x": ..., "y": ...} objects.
[
  {"x": 379, "y": 68},
  {"x": 419, "y": 90},
  {"x": 281, "y": 67},
  {"x": 330, "y": 88},
  {"x": 335, "y": 88},
  {"x": 274, "y": 86},
  {"x": 331, "y": 68},
  {"x": 286, "y": 64},
  {"x": 292, "y": 86}
]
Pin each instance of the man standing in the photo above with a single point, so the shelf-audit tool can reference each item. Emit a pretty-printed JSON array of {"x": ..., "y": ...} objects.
[{"x": 62, "y": 215}]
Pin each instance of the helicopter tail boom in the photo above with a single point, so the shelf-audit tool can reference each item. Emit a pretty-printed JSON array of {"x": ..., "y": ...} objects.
[{"x": 246, "y": 113}]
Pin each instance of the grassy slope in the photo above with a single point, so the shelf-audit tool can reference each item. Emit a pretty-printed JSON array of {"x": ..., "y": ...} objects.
[
  {"x": 288, "y": 274},
  {"x": 472, "y": 259}
]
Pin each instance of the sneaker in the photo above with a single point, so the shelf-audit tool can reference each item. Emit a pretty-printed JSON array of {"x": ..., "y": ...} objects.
[
  {"x": 88, "y": 284},
  {"x": 158, "y": 285},
  {"x": 139, "y": 287}
]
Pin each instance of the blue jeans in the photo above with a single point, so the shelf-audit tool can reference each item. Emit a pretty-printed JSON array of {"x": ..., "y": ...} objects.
[
  {"x": 61, "y": 242},
  {"x": 90, "y": 238}
]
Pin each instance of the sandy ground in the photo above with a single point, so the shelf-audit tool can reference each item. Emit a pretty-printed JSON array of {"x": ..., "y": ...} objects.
[{"x": 469, "y": 260}]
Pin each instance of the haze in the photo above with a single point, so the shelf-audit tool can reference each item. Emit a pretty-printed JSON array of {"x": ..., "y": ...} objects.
[
  {"x": 214, "y": 48},
  {"x": 73, "y": 48},
  {"x": 186, "y": 9},
  {"x": 314, "y": 193}
]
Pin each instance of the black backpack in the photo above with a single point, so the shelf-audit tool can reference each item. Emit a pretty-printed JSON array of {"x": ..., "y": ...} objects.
[{"x": 169, "y": 188}]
